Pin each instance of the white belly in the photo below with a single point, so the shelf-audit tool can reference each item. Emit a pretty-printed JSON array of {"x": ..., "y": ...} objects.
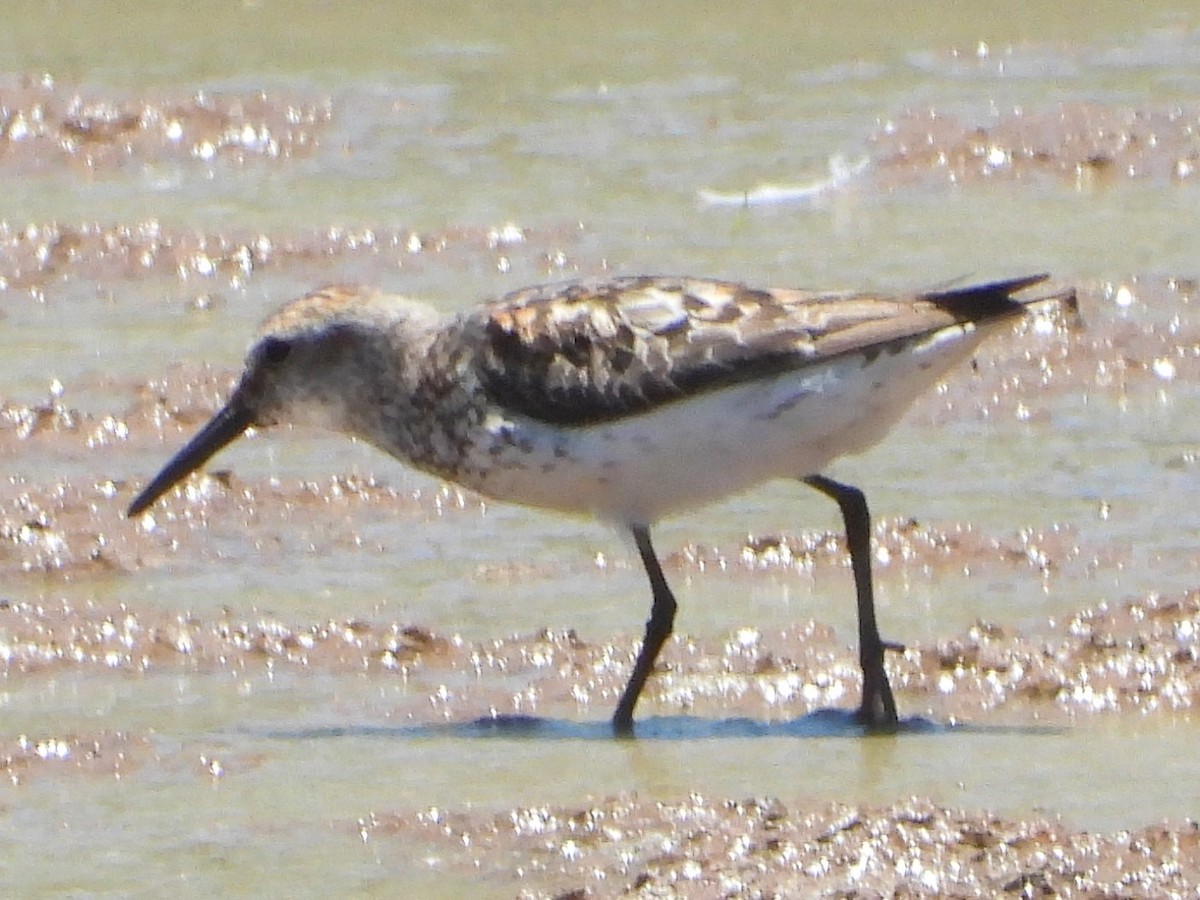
[{"x": 697, "y": 450}]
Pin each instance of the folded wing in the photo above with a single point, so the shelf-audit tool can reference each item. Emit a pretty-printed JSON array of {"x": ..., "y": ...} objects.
[{"x": 592, "y": 351}]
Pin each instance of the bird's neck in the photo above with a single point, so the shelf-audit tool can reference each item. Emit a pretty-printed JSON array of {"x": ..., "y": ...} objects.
[{"x": 403, "y": 401}]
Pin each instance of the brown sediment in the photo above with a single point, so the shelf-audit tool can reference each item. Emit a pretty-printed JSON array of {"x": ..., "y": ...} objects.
[
  {"x": 697, "y": 847},
  {"x": 39, "y": 258},
  {"x": 908, "y": 545},
  {"x": 1133, "y": 337},
  {"x": 1137, "y": 657},
  {"x": 1085, "y": 143},
  {"x": 108, "y": 754},
  {"x": 1141, "y": 655},
  {"x": 44, "y": 122},
  {"x": 38, "y": 638},
  {"x": 74, "y": 530}
]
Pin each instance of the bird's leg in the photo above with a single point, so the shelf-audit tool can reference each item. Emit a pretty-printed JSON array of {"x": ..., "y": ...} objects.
[
  {"x": 878, "y": 708},
  {"x": 658, "y": 629}
]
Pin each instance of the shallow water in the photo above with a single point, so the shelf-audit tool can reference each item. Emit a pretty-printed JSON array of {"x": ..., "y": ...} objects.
[{"x": 460, "y": 155}]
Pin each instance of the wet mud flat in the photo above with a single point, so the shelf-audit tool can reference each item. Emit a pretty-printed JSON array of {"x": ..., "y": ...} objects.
[
  {"x": 61, "y": 536},
  {"x": 624, "y": 846},
  {"x": 1137, "y": 658}
]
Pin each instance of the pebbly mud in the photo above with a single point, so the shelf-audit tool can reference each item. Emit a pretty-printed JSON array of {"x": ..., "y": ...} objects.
[
  {"x": 697, "y": 847},
  {"x": 46, "y": 124},
  {"x": 1084, "y": 144},
  {"x": 1140, "y": 657}
]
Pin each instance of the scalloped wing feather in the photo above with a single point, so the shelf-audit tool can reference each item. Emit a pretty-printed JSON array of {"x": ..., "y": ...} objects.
[{"x": 589, "y": 352}]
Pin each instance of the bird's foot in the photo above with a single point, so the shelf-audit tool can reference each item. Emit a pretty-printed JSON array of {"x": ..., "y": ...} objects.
[{"x": 877, "y": 712}]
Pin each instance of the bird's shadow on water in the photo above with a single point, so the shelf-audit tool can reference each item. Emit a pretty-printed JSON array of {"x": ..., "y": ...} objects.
[{"x": 825, "y": 723}]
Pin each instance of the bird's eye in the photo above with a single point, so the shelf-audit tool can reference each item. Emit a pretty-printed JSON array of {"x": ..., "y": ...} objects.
[{"x": 276, "y": 350}]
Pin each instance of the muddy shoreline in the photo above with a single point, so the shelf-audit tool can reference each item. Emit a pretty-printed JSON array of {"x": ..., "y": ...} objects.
[{"x": 1139, "y": 657}]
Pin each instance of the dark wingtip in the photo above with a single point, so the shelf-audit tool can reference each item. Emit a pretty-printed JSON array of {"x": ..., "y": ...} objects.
[
  {"x": 996, "y": 299},
  {"x": 1007, "y": 286}
]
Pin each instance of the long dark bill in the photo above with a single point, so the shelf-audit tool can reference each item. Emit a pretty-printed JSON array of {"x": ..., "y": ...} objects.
[{"x": 228, "y": 424}]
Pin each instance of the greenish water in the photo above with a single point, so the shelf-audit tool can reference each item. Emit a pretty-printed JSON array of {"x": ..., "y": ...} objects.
[{"x": 600, "y": 123}]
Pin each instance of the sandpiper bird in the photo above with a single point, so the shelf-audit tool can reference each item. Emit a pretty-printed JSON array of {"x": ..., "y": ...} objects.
[{"x": 629, "y": 399}]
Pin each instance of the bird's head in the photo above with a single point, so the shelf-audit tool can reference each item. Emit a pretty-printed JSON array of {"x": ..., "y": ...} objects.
[{"x": 321, "y": 360}]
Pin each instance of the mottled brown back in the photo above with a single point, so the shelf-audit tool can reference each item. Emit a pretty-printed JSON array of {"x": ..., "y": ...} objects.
[{"x": 587, "y": 352}]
